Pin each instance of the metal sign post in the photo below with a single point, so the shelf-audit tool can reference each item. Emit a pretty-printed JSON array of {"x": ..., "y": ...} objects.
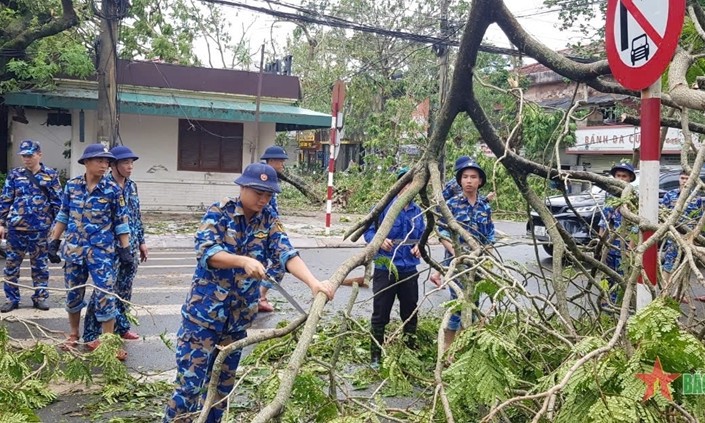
[
  {"x": 641, "y": 38},
  {"x": 648, "y": 183},
  {"x": 336, "y": 126}
]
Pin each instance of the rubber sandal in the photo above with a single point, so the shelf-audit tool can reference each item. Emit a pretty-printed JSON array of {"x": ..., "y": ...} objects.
[
  {"x": 130, "y": 335},
  {"x": 91, "y": 346},
  {"x": 69, "y": 344},
  {"x": 264, "y": 306}
]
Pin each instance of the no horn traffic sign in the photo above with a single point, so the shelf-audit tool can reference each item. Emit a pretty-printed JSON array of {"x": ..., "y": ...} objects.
[{"x": 642, "y": 36}]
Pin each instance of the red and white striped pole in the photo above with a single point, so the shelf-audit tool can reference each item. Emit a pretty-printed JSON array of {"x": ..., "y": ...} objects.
[
  {"x": 648, "y": 182},
  {"x": 337, "y": 113}
]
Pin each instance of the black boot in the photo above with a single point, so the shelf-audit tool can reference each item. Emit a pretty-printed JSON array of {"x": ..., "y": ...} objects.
[
  {"x": 410, "y": 338},
  {"x": 375, "y": 349}
]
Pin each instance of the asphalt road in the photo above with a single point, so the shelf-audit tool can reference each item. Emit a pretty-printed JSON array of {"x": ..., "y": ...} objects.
[{"x": 164, "y": 280}]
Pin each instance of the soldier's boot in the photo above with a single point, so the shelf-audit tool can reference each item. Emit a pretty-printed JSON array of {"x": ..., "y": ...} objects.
[
  {"x": 410, "y": 338},
  {"x": 375, "y": 347}
]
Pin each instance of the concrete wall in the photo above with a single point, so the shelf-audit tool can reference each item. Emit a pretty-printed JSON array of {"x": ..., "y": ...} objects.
[
  {"x": 52, "y": 139},
  {"x": 154, "y": 139}
]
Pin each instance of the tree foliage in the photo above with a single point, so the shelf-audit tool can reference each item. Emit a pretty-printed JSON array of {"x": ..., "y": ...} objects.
[{"x": 38, "y": 40}]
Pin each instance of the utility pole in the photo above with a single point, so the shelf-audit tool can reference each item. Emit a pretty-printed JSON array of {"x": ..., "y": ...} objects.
[
  {"x": 107, "y": 115},
  {"x": 442, "y": 51},
  {"x": 442, "y": 54},
  {"x": 255, "y": 147}
]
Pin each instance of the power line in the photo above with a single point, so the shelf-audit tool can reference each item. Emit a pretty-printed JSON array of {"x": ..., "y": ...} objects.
[
  {"x": 545, "y": 11},
  {"x": 308, "y": 16}
]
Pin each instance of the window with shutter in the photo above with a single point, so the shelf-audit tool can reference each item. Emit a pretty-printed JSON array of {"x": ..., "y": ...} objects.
[{"x": 206, "y": 146}]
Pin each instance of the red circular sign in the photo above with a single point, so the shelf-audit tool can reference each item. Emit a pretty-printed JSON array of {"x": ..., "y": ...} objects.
[{"x": 641, "y": 41}]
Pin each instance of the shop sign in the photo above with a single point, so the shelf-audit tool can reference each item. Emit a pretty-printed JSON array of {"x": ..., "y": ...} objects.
[
  {"x": 621, "y": 139},
  {"x": 307, "y": 140}
]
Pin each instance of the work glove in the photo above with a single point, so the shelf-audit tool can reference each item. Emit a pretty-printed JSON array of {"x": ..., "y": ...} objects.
[
  {"x": 125, "y": 255},
  {"x": 127, "y": 260},
  {"x": 54, "y": 251}
]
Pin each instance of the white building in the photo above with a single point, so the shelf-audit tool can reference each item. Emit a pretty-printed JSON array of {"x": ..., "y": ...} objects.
[{"x": 194, "y": 129}]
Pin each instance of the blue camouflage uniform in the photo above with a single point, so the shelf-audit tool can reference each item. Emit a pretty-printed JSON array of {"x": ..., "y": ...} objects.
[
  {"x": 692, "y": 212},
  {"x": 222, "y": 303},
  {"x": 125, "y": 274},
  {"x": 274, "y": 270},
  {"x": 612, "y": 219},
  {"x": 93, "y": 221},
  {"x": 28, "y": 214},
  {"x": 451, "y": 189},
  {"x": 477, "y": 220}
]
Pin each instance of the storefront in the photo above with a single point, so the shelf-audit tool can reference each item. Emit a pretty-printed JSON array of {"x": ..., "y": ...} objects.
[{"x": 598, "y": 148}]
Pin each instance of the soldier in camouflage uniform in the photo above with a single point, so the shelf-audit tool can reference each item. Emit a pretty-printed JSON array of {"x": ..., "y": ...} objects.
[
  {"x": 274, "y": 156},
  {"x": 93, "y": 214},
  {"x": 236, "y": 239},
  {"x": 612, "y": 220},
  {"x": 473, "y": 212},
  {"x": 452, "y": 187},
  {"x": 30, "y": 200},
  {"x": 691, "y": 213},
  {"x": 121, "y": 170}
]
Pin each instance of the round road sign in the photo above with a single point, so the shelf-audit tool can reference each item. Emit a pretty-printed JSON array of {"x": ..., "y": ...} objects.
[{"x": 641, "y": 39}]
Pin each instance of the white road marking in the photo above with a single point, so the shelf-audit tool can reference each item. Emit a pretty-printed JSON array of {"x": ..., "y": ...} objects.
[{"x": 151, "y": 311}]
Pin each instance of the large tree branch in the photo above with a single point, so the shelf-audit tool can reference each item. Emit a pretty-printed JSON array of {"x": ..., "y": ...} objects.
[
  {"x": 67, "y": 20},
  {"x": 678, "y": 88},
  {"x": 665, "y": 121},
  {"x": 579, "y": 72},
  {"x": 298, "y": 357}
]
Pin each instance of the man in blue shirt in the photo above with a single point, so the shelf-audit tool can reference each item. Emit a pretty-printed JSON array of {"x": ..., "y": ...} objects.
[
  {"x": 30, "y": 200},
  {"x": 274, "y": 156},
  {"x": 94, "y": 215},
  {"x": 612, "y": 219},
  {"x": 236, "y": 240},
  {"x": 402, "y": 250},
  {"x": 473, "y": 212}
]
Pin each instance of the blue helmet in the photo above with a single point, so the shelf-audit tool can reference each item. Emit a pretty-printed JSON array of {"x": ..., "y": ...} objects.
[
  {"x": 259, "y": 176},
  {"x": 94, "y": 151},
  {"x": 122, "y": 152},
  {"x": 459, "y": 162},
  {"x": 29, "y": 147},
  {"x": 468, "y": 163},
  {"x": 274, "y": 152},
  {"x": 626, "y": 166}
]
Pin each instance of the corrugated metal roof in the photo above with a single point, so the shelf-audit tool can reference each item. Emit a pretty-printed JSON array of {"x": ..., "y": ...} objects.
[
  {"x": 567, "y": 102},
  {"x": 286, "y": 117}
]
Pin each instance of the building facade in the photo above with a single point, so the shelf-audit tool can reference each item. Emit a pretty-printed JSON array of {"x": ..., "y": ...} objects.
[
  {"x": 194, "y": 129},
  {"x": 600, "y": 139}
]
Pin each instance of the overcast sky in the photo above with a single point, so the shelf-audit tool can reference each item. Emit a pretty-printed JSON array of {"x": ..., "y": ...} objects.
[{"x": 536, "y": 19}]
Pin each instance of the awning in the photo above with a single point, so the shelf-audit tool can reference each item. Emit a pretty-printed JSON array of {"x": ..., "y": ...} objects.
[{"x": 287, "y": 118}]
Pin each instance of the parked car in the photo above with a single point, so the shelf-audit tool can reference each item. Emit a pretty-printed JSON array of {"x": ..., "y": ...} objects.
[{"x": 580, "y": 215}]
